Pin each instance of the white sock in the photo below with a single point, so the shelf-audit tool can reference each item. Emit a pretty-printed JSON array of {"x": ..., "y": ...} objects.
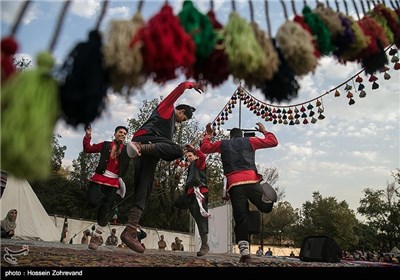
[{"x": 244, "y": 247}]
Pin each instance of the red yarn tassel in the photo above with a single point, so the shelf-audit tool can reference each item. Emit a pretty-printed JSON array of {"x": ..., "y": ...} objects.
[
  {"x": 167, "y": 47},
  {"x": 8, "y": 49}
]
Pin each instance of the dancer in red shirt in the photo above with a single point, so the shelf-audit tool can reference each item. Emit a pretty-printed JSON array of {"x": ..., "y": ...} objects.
[
  {"x": 106, "y": 181},
  {"x": 152, "y": 142},
  {"x": 243, "y": 179}
]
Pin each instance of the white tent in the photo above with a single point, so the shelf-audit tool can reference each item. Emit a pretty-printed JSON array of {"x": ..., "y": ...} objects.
[
  {"x": 33, "y": 222},
  {"x": 395, "y": 251}
]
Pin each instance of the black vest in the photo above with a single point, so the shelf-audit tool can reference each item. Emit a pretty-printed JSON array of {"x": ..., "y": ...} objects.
[
  {"x": 105, "y": 156},
  {"x": 158, "y": 126},
  {"x": 196, "y": 177},
  {"x": 237, "y": 154}
]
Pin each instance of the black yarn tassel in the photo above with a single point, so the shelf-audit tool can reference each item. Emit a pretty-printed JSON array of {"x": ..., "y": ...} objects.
[
  {"x": 376, "y": 61},
  {"x": 283, "y": 86},
  {"x": 84, "y": 82}
]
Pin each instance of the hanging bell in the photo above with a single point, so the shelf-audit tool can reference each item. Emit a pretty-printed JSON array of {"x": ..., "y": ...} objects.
[
  {"x": 305, "y": 121},
  {"x": 318, "y": 103},
  {"x": 373, "y": 78},
  {"x": 384, "y": 69},
  {"x": 386, "y": 76},
  {"x": 311, "y": 114},
  {"x": 321, "y": 117},
  {"x": 313, "y": 120},
  {"x": 297, "y": 121},
  {"x": 395, "y": 59},
  {"x": 359, "y": 79},
  {"x": 375, "y": 85},
  {"x": 361, "y": 87},
  {"x": 392, "y": 51},
  {"x": 337, "y": 93},
  {"x": 347, "y": 87},
  {"x": 320, "y": 109},
  {"x": 349, "y": 94},
  {"x": 351, "y": 102},
  {"x": 285, "y": 122},
  {"x": 362, "y": 94}
]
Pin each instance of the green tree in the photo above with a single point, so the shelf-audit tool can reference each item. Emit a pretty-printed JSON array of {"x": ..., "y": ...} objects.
[
  {"x": 368, "y": 238},
  {"x": 57, "y": 154},
  {"x": 57, "y": 194},
  {"x": 382, "y": 211},
  {"x": 279, "y": 222},
  {"x": 326, "y": 216},
  {"x": 21, "y": 63}
]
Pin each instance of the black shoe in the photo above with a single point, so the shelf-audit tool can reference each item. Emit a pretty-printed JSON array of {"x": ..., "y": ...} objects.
[
  {"x": 128, "y": 236},
  {"x": 204, "y": 249},
  {"x": 245, "y": 259},
  {"x": 269, "y": 193}
]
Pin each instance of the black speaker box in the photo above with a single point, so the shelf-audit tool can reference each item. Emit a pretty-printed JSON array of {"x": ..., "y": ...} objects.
[
  {"x": 254, "y": 222},
  {"x": 320, "y": 249}
]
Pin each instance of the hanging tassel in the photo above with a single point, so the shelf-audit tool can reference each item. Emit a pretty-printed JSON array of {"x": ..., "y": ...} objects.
[
  {"x": 244, "y": 52},
  {"x": 373, "y": 57},
  {"x": 29, "y": 110},
  {"x": 267, "y": 70},
  {"x": 383, "y": 18},
  {"x": 296, "y": 46},
  {"x": 215, "y": 67},
  {"x": 9, "y": 45},
  {"x": 84, "y": 87},
  {"x": 319, "y": 30},
  {"x": 283, "y": 86},
  {"x": 352, "y": 42},
  {"x": 331, "y": 20},
  {"x": 166, "y": 46},
  {"x": 8, "y": 49},
  {"x": 199, "y": 27},
  {"x": 393, "y": 22},
  {"x": 125, "y": 64},
  {"x": 300, "y": 20}
]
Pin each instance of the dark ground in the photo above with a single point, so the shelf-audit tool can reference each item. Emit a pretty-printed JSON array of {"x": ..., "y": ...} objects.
[{"x": 43, "y": 257}]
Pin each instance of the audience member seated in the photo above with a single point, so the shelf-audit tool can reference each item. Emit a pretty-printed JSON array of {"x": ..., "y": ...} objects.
[{"x": 8, "y": 224}]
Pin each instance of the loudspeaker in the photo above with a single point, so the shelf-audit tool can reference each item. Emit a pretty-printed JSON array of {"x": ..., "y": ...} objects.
[
  {"x": 320, "y": 249},
  {"x": 253, "y": 222}
]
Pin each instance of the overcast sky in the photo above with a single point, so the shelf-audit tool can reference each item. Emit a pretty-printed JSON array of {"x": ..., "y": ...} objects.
[{"x": 353, "y": 148}]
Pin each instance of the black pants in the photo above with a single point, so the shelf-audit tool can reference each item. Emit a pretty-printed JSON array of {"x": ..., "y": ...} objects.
[
  {"x": 186, "y": 201},
  {"x": 6, "y": 234},
  {"x": 103, "y": 197},
  {"x": 145, "y": 166},
  {"x": 240, "y": 196}
]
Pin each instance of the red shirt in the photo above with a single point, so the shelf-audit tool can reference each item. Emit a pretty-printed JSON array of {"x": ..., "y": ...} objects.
[
  {"x": 241, "y": 177},
  {"x": 166, "y": 107},
  {"x": 112, "y": 166},
  {"x": 201, "y": 165}
]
